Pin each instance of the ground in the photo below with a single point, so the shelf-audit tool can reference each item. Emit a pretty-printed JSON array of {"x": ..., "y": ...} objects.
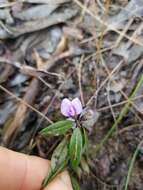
[{"x": 91, "y": 49}]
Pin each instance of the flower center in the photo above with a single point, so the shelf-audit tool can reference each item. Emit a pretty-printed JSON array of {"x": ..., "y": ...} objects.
[{"x": 72, "y": 111}]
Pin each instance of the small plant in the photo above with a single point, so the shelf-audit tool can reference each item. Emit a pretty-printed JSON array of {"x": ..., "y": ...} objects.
[{"x": 74, "y": 143}]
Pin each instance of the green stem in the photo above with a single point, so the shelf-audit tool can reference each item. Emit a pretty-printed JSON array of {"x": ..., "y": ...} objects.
[
  {"x": 132, "y": 164},
  {"x": 122, "y": 113}
]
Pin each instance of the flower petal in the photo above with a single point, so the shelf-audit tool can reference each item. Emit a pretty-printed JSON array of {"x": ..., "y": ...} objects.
[
  {"x": 76, "y": 103},
  {"x": 72, "y": 111},
  {"x": 65, "y": 107}
]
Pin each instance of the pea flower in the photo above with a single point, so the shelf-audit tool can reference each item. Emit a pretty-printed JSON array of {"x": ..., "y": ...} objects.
[{"x": 71, "y": 108}]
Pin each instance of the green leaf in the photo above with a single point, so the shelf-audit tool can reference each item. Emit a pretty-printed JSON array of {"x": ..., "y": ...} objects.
[
  {"x": 75, "y": 148},
  {"x": 123, "y": 112},
  {"x": 132, "y": 162},
  {"x": 60, "y": 127},
  {"x": 75, "y": 183},
  {"x": 85, "y": 141},
  {"x": 84, "y": 166},
  {"x": 59, "y": 161},
  {"x": 60, "y": 154},
  {"x": 78, "y": 171},
  {"x": 53, "y": 173}
]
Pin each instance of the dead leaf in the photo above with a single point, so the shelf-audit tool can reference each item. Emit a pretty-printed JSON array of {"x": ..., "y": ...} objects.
[
  {"x": 7, "y": 70},
  {"x": 73, "y": 32},
  {"x": 46, "y": 1},
  {"x": 37, "y": 12},
  {"x": 130, "y": 54},
  {"x": 21, "y": 111},
  {"x": 6, "y": 16},
  {"x": 30, "y": 26},
  {"x": 6, "y": 110},
  {"x": 133, "y": 8},
  {"x": 116, "y": 86}
]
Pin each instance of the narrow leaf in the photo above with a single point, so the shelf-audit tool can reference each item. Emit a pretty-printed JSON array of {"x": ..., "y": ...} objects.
[
  {"x": 53, "y": 173},
  {"x": 60, "y": 154},
  {"x": 75, "y": 148},
  {"x": 121, "y": 115},
  {"x": 75, "y": 183},
  {"x": 84, "y": 165},
  {"x": 85, "y": 141},
  {"x": 59, "y": 161},
  {"x": 132, "y": 162},
  {"x": 60, "y": 127}
]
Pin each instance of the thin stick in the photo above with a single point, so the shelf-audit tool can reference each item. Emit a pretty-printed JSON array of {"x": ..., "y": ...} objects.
[
  {"x": 110, "y": 105},
  {"x": 125, "y": 96},
  {"x": 104, "y": 82},
  {"x": 25, "y": 103},
  {"x": 106, "y": 24},
  {"x": 124, "y": 32},
  {"x": 79, "y": 80},
  {"x": 122, "y": 113},
  {"x": 118, "y": 104}
]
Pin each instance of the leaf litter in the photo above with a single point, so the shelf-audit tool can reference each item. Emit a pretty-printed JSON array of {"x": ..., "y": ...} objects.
[{"x": 42, "y": 45}]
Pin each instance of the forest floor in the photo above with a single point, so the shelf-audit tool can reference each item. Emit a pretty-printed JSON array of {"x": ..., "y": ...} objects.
[{"x": 91, "y": 49}]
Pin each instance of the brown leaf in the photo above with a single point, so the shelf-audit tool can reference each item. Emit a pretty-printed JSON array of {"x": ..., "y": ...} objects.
[
  {"x": 21, "y": 112},
  {"x": 38, "y": 24}
]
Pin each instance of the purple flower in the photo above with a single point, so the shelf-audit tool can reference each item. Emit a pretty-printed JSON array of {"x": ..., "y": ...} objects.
[{"x": 71, "y": 108}]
